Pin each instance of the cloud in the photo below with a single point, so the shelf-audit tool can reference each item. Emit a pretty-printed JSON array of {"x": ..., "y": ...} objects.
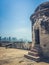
[
  {"x": 23, "y": 33},
  {"x": 21, "y": 30}
]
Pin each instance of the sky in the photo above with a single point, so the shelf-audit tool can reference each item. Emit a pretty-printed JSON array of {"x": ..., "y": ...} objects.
[{"x": 15, "y": 17}]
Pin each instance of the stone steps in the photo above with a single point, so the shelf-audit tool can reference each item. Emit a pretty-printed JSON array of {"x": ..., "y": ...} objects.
[
  {"x": 34, "y": 50},
  {"x": 34, "y": 54},
  {"x": 32, "y": 57}
]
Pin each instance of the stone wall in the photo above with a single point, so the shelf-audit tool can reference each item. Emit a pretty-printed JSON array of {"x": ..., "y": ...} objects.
[
  {"x": 44, "y": 42},
  {"x": 43, "y": 34}
]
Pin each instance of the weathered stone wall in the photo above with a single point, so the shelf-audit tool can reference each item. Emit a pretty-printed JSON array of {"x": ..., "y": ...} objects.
[
  {"x": 44, "y": 36},
  {"x": 44, "y": 42}
]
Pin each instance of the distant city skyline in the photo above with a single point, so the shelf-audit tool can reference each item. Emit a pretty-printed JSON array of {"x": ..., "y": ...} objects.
[{"x": 15, "y": 17}]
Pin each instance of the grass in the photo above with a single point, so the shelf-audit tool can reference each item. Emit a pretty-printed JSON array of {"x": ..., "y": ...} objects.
[{"x": 16, "y": 57}]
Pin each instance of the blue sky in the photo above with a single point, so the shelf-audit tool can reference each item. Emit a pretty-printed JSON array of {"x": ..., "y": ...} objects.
[{"x": 15, "y": 17}]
